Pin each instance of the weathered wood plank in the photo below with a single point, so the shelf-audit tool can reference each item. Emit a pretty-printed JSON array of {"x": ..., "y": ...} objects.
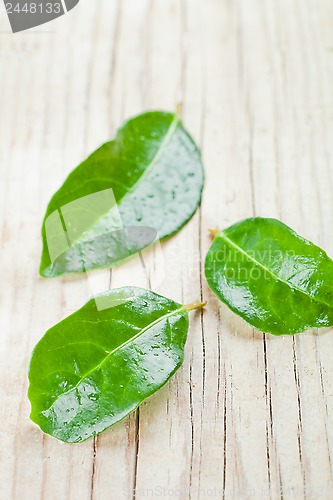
[{"x": 247, "y": 415}]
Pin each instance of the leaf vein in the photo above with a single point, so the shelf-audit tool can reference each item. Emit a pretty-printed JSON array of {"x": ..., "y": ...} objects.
[
  {"x": 277, "y": 278},
  {"x": 121, "y": 346}
]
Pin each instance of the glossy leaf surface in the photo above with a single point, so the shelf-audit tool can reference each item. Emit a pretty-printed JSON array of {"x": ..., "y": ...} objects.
[
  {"x": 277, "y": 281},
  {"x": 149, "y": 177},
  {"x": 97, "y": 365}
]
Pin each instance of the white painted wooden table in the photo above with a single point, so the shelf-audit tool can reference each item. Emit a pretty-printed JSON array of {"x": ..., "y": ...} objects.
[{"x": 247, "y": 416}]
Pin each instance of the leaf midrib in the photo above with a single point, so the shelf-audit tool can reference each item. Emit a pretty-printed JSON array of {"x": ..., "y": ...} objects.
[
  {"x": 167, "y": 138},
  {"x": 121, "y": 346},
  {"x": 224, "y": 237}
]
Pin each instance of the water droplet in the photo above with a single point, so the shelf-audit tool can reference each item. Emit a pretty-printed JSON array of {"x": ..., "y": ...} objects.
[{"x": 93, "y": 396}]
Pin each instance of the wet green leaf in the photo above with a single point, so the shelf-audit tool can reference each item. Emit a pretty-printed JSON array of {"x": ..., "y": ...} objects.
[
  {"x": 96, "y": 366},
  {"x": 143, "y": 185},
  {"x": 273, "y": 278}
]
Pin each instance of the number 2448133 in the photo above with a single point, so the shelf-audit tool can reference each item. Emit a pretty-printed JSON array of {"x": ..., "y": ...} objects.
[{"x": 34, "y": 8}]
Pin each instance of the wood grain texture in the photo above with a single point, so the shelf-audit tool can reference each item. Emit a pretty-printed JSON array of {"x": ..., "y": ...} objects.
[{"x": 248, "y": 415}]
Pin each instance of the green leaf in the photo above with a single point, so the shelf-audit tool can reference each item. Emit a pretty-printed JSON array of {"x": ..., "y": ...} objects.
[
  {"x": 150, "y": 177},
  {"x": 97, "y": 365},
  {"x": 277, "y": 281}
]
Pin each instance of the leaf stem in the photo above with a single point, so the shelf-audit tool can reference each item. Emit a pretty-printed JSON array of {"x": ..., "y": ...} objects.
[
  {"x": 195, "y": 305},
  {"x": 214, "y": 232},
  {"x": 179, "y": 109}
]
